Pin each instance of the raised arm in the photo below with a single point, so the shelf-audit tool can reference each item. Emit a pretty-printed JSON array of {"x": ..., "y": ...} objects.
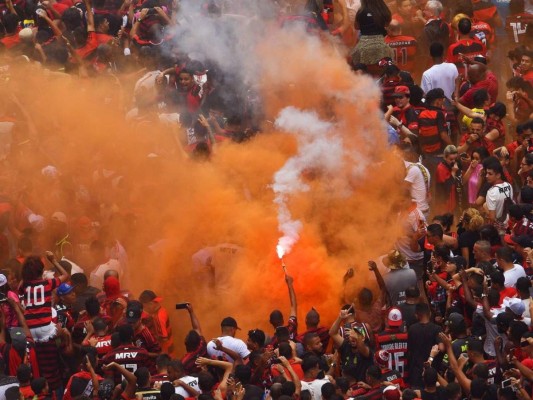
[
  {"x": 226, "y": 366},
  {"x": 131, "y": 379},
  {"x": 57, "y": 32},
  {"x": 292, "y": 296},
  {"x": 459, "y": 374},
  {"x": 334, "y": 330},
  {"x": 294, "y": 377},
  {"x": 385, "y": 295},
  {"x": 233, "y": 354},
  {"x": 194, "y": 320},
  {"x": 90, "y": 16},
  {"x": 63, "y": 275}
]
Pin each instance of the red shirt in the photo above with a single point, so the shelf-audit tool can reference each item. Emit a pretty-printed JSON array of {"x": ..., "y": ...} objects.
[
  {"x": 516, "y": 25},
  {"x": 10, "y": 41},
  {"x": 483, "y": 32},
  {"x": 89, "y": 47},
  {"x": 468, "y": 47},
  {"x": 507, "y": 292},
  {"x": 490, "y": 83}
]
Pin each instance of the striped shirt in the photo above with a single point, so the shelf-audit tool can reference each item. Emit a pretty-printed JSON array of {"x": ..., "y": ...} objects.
[{"x": 38, "y": 301}]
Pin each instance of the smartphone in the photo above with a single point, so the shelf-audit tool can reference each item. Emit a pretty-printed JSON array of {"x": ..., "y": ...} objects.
[
  {"x": 507, "y": 383},
  {"x": 182, "y": 306}
]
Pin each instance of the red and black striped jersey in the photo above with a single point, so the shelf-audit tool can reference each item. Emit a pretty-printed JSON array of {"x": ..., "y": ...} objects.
[
  {"x": 38, "y": 301},
  {"x": 407, "y": 116},
  {"x": 129, "y": 356},
  {"x": 516, "y": 25},
  {"x": 396, "y": 344},
  {"x": 404, "y": 51},
  {"x": 467, "y": 47},
  {"x": 431, "y": 122}
]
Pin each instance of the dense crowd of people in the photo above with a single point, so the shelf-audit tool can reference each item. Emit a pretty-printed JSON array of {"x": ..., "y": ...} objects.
[{"x": 449, "y": 314}]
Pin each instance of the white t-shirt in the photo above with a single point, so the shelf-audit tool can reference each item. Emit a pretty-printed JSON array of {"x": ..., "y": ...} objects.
[
  {"x": 237, "y": 345},
  {"x": 410, "y": 226},
  {"x": 97, "y": 276},
  {"x": 440, "y": 76},
  {"x": 415, "y": 177},
  {"x": 315, "y": 387},
  {"x": 496, "y": 197},
  {"x": 192, "y": 382},
  {"x": 513, "y": 274}
]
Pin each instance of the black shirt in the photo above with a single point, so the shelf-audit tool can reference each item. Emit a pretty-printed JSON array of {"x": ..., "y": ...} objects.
[
  {"x": 421, "y": 338},
  {"x": 468, "y": 239},
  {"x": 352, "y": 358},
  {"x": 368, "y": 25},
  {"x": 408, "y": 314}
]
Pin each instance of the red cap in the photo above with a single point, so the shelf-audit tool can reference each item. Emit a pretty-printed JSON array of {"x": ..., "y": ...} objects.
[{"x": 400, "y": 91}]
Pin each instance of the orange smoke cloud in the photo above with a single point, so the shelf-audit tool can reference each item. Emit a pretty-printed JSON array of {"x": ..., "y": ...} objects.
[{"x": 347, "y": 216}]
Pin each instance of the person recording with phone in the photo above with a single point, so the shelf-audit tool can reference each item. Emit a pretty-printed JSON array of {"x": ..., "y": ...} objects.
[{"x": 448, "y": 181}]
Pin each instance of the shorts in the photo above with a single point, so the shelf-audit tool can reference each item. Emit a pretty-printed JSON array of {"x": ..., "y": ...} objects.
[{"x": 44, "y": 333}]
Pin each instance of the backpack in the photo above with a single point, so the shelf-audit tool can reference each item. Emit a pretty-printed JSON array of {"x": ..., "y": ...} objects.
[{"x": 508, "y": 202}]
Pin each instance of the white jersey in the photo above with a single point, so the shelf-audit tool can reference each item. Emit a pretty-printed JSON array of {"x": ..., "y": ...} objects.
[
  {"x": 192, "y": 382},
  {"x": 237, "y": 345}
]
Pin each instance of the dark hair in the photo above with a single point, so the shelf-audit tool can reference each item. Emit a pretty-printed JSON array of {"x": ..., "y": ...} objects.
[
  {"x": 482, "y": 151},
  {"x": 285, "y": 350},
  {"x": 475, "y": 345},
  {"x": 526, "y": 195},
  {"x": 12, "y": 393},
  {"x": 32, "y": 269},
  {"x": 79, "y": 278},
  {"x": 464, "y": 26},
  {"x": 505, "y": 253},
  {"x": 479, "y": 99},
  {"x": 38, "y": 385},
  {"x": 24, "y": 373},
  {"x": 498, "y": 278},
  {"x": 452, "y": 390},
  {"x": 499, "y": 109},
  {"x": 328, "y": 390},
  {"x": 517, "y": 329},
  {"x": 243, "y": 373},
  {"x": 435, "y": 230},
  {"x": 167, "y": 390},
  {"x": 192, "y": 340},
  {"x": 374, "y": 372},
  {"x": 257, "y": 336},
  {"x": 92, "y": 305},
  {"x": 490, "y": 233},
  {"x": 365, "y": 296},
  {"x": 442, "y": 251},
  {"x": 289, "y": 388},
  {"x": 162, "y": 360},
  {"x": 523, "y": 284},
  {"x": 436, "y": 49},
  {"x": 409, "y": 394},
  {"x": 206, "y": 381},
  {"x": 143, "y": 377},
  {"x": 125, "y": 333},
  {"x": 446, "y": 220},
  {"x": 517, "y": 82},
  {"x": 309, "y": 362}
]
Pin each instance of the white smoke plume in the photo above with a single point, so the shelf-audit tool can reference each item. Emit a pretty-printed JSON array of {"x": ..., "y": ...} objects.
[{"x": 318, "y": 147}]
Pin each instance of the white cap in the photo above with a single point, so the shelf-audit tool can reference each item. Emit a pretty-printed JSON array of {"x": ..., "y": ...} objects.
[
  {"x": 3, "y": 280},
  {"x": 26, "y": 34}
]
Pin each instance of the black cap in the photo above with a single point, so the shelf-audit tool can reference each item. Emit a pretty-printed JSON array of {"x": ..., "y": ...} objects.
[
  {"x": 134, "y": 311},
  {"x": 230, "y": 322}
]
